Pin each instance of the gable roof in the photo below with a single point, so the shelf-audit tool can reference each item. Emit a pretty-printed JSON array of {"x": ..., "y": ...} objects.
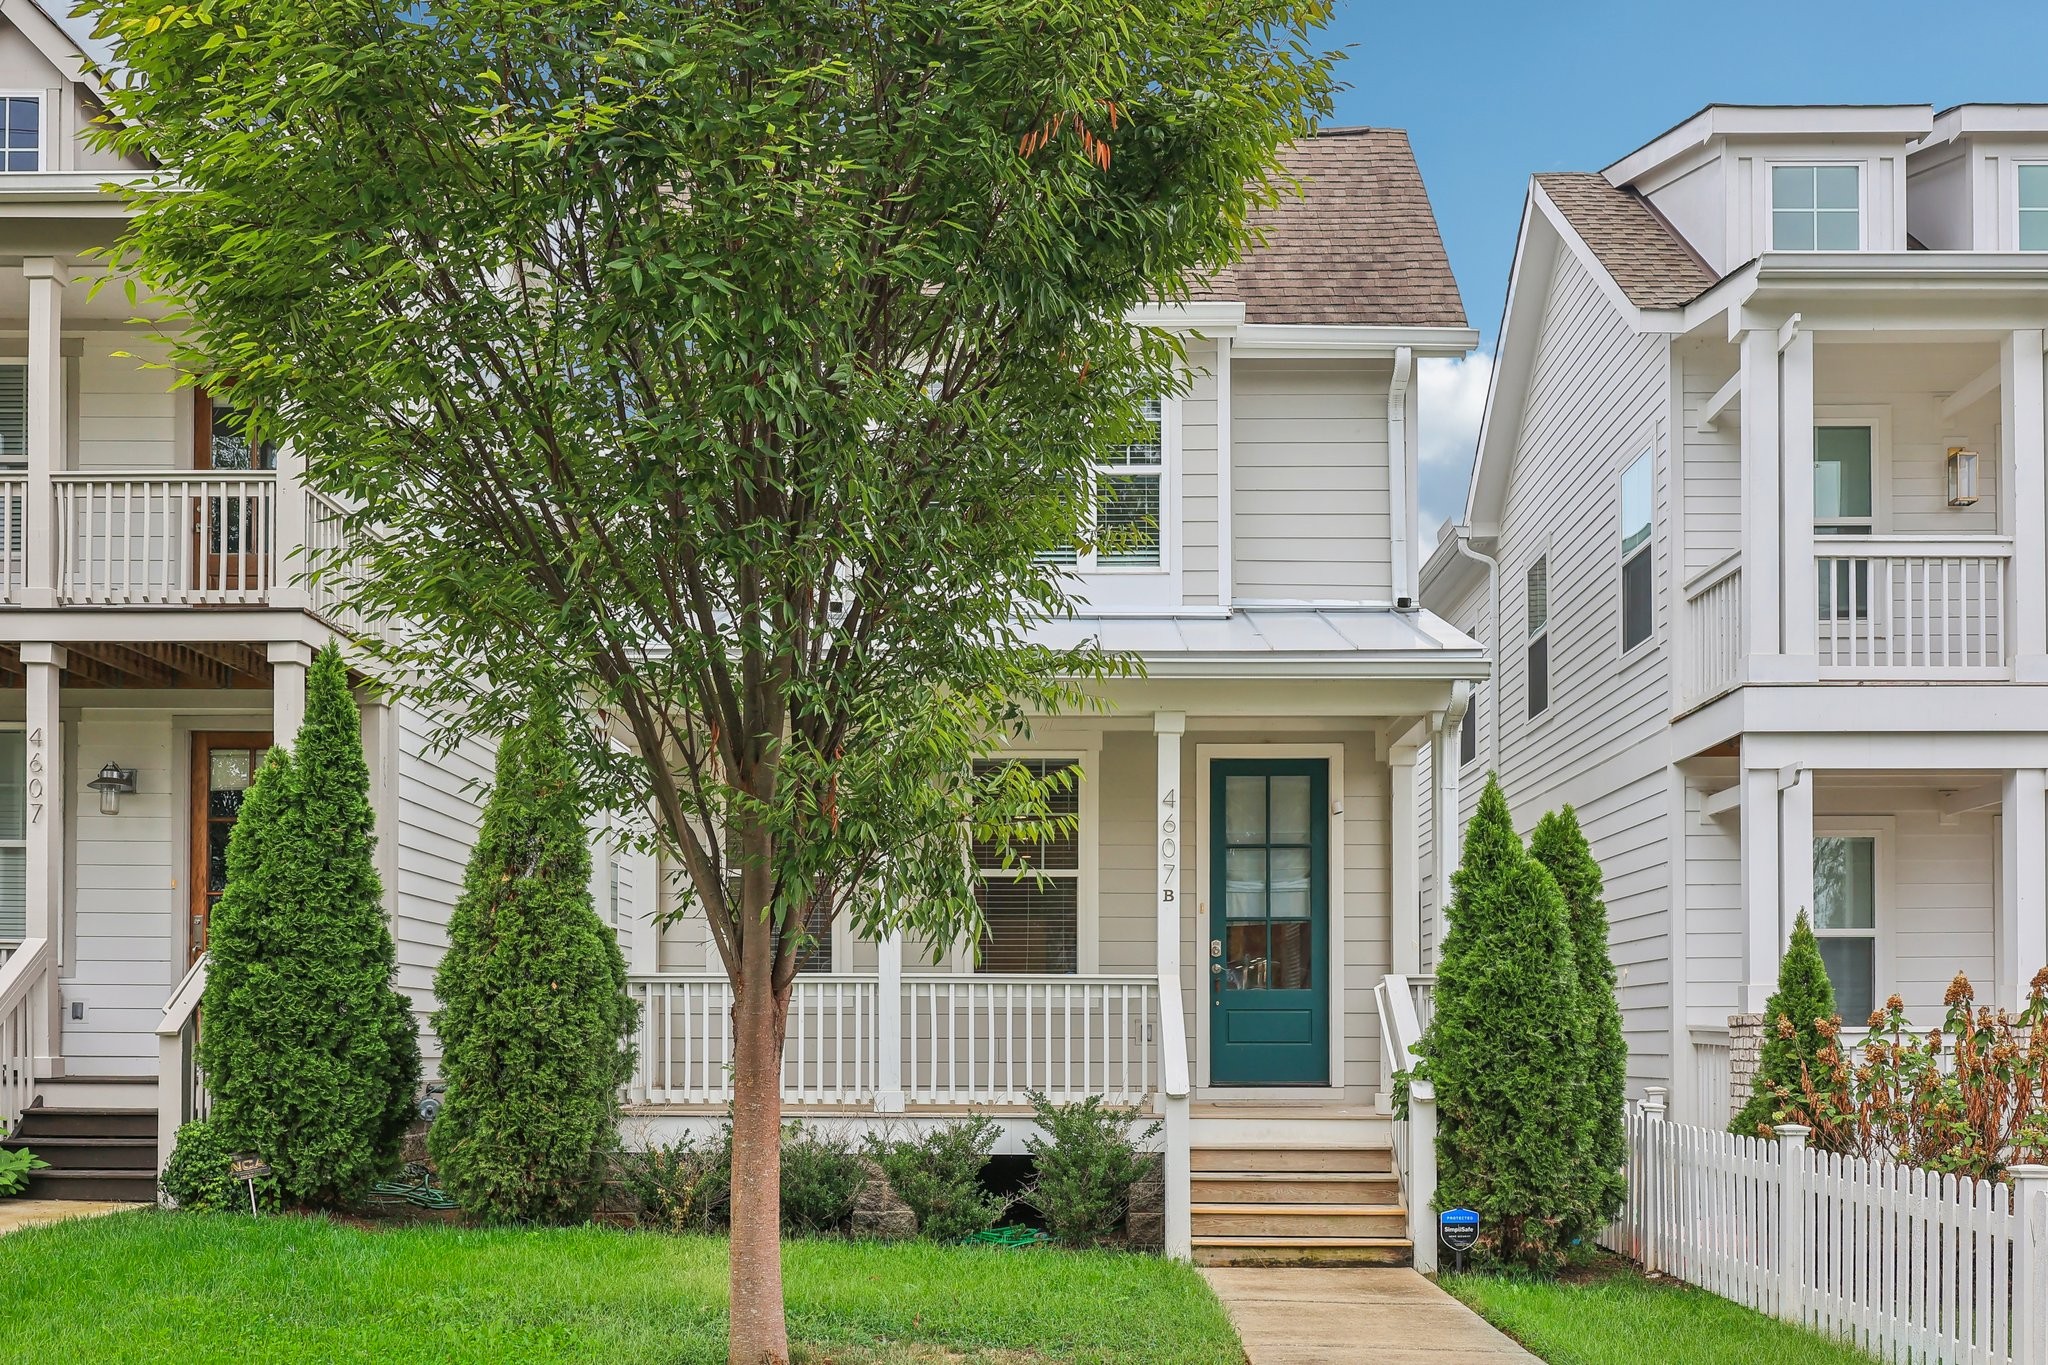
[
  {"x": 1357, "y": 245},
  {"x": 1652, "y": 264}
]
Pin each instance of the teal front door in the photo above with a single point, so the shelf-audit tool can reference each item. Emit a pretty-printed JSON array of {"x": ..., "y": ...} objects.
[{"x": 1269, "y": 909}]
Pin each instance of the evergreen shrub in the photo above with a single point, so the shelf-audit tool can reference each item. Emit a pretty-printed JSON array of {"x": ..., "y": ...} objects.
[
  {"x": 1799, "y": 1022},
  {"x": 821, "y": 1177},
  {"x": 938, "y": 1175},
  {"x": 1085, "y": 1165}
]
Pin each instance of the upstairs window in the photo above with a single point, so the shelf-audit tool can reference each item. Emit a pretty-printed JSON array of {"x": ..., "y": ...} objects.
[
  {"x": 2034, "y": 208},
  {"x": 21, "y": 133},
  {"x": 1816, "y": 208},
  {"x": 1539, "y": 637},
  {"x": 1637, "y": 558},
  {"x": 1031, "y": 913},
  {"x": 1129, "y": 486}
]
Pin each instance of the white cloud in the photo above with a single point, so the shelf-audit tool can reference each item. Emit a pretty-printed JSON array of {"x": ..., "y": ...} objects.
[{"x": 1452, "y": 396}]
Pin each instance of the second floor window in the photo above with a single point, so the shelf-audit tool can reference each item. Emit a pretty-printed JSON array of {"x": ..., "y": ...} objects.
[
  {"x": 1816, "y": 208},
  {"x": 1031, "y": 915},
  {"x": 1539, "y": 637},
  {"x": 21, "y": 133},
  {"x": 1129, "y": 503},
  {"x": 1638, "y": 609},
  {"x": 1468, "y": 732},
  {"x": 2034, "y": 208}
]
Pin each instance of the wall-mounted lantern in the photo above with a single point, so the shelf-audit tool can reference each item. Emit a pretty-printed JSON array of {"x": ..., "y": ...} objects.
[
  {"x": 112, "y": 784},
  {"x": 1962, "y": 476}
]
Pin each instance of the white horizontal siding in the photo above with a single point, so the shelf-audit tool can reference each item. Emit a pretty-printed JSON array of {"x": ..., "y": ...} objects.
[{"x": 440, "y": 807}]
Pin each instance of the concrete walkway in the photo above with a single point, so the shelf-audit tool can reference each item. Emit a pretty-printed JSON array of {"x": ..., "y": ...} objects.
[
  {"x": 1380, "y": 1315},
  {"x": 16, "y": 1214}
]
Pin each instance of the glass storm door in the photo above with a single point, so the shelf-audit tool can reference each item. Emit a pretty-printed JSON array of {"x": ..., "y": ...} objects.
[
  {"x": 223, "y": 764},
  {"x": 1269, "y": 898}
]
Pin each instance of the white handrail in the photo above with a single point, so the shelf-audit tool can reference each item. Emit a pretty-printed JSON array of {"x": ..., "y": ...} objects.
[
  {"x": 24, "y": 1018},
  {"x": 182, "y": 1096},
  {"x": 1414, "y": 1132}
]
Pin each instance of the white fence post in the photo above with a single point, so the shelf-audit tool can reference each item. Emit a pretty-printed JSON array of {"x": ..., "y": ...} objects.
[
  {"x": 1792, "y": 1237},
  {"x": 2030, "y": 1262},
  {"x": 1654, "y": 1174}
]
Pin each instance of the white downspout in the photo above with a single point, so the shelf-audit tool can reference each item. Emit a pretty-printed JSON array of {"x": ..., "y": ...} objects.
[
  {"x": 1459, "y": 543},
  {"x": 1399, "y": 531}
]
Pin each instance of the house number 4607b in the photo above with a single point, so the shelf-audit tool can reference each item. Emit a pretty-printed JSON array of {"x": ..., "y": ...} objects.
[{"x": 1169, "y": 844}]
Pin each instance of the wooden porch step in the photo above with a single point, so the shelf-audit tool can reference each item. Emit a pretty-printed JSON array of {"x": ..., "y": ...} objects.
[
  {"x": 1279, "y": 1160},
  {"x": 1302, "y": 1251},
  {"x": 113, "y": 1186},
  {"x": 1296, "y": 1187},
  {"x": 44, "y": 1121},
  {"x": 1300, "y": 1220},
  {"x": 90, "y": 1153}
]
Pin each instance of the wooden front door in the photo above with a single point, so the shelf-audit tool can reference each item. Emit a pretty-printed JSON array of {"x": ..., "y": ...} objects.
[
  {"x": 223, "y": 764},
  {"x": 1269, "y": 899}
]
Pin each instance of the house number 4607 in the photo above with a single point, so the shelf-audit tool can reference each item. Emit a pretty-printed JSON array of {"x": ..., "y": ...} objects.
[
  {"x": 35, "y": 775},
  {"x": 1169, "y": 844}
]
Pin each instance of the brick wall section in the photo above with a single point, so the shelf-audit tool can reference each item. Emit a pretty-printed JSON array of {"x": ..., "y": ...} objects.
[{"x": 1745, "y": 1053}]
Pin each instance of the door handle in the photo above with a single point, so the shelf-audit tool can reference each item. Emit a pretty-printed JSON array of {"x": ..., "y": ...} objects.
[{"x": 1216, "y": 978}]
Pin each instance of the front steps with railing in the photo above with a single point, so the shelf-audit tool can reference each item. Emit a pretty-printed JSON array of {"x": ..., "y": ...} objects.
[
  {"x": 100, "y": 1141},
  {"x": 1297, "y": 1205}
]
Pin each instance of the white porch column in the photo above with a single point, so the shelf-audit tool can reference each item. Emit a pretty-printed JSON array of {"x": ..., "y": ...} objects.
[
  {"x": 1762, "y": 585},
  {"x": 289, "y": 661},
  {"x": 48, "y": 442},
  {"x": 289, "y": 560},
  {"x": 1168, "y": 727},
  {"x": 1763, "y": 925},
  {"x": 2021, "y": 942},
  {"x": 889, "y": 1023},
  {"x": 42, "y": 669},
  {"x": 1795, "y": 851},
  {"x": 1405, "y": 861},
  {"x": 2024, "y": 511},
  {"x": 1447, "y": 830},
  {"x": 380, "y": 753},
  {"x": 1802, "y": 582}
]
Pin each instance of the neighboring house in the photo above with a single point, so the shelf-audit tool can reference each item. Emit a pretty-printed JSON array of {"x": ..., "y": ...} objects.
[
  {"x": 150, "y": 636},
  {"x": 1246, "y": 824},
  {"x": 1756, "y": 536}
]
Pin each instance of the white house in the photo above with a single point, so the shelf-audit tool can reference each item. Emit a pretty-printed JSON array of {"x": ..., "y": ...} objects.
[
  {"x": 1243, "y": 876},
  {"x": 1756, "y": 536}
]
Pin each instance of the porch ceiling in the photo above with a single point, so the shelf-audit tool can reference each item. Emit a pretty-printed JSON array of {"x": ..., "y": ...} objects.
[{"x": 207, "y": 667}]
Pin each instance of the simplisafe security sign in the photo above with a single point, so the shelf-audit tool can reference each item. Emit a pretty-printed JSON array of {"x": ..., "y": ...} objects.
[{"x": 1459, "y": 1229}]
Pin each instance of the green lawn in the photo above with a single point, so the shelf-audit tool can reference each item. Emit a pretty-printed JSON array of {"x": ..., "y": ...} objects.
[
  {"x": 151, "y": 1286},
  {"x": 1614, "y": 1316}
]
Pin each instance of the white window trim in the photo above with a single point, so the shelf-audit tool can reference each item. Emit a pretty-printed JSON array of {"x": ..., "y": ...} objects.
[
  {"x": 1882, "y": 831},
  {"x": 1087, "y": 910},
  {"x": 1205, "y": 754},
  {"x": 1547, "y": 633},
  {"x": 43, "y": 141},
  {"x": 1878, "y": 417},
  {"x": 2015, "y": 217},
  {"x": 1770, "y": 195},
  {"x": 1472, "y": 719},
  {"x": 1622, "y": 556},
  {"x": 1114, "y": 586}
]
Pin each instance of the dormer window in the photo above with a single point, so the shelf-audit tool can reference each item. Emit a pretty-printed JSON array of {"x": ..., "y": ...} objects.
[
  {"x": 21, "y": 133},
  {"x": 1816, "y": 208},
  {"x": 2033, "y": 208}
]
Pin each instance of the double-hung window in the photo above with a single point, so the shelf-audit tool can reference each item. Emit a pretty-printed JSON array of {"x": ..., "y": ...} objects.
[
  {"x": 1468, "y": 732},
  {"x": 816, "y": 953},
  {"x": 1538, "y": 652},
  {"x": 1031, "y": 911},
  {"x": 2033, "y": 189},
  {"x": 13, "y": 417},
  {"x": 1130, "y": 485},
  {"x": 1637, "y": 554},
  {"x": 13, "y": 835},
  {"x": 21, "y": 133},
  {"x": 1816, "y": 208},
  {"x": 1845, "y": 920},
  {"x": 1844, "y": 504}
]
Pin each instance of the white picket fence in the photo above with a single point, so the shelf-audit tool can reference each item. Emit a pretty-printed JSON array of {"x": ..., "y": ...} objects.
[{"x": 1908, "y": 1265}]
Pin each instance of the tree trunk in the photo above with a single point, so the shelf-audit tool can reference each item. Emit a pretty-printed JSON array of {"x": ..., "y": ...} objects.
[{"x": 758, "y": 1335}]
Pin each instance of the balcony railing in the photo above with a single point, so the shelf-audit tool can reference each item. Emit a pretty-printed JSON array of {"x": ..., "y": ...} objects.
[
  {"x": 1912, "y": 606},
  {"x": 1713, "y": 660}
]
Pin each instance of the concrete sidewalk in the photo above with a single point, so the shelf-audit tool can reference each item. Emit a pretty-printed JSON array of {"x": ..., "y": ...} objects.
[
  {"x": 16, "y": 1214},
  {"x": 1381, "y": 1315}
]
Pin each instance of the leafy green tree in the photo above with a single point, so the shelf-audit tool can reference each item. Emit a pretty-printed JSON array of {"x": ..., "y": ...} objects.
[
  {"x": 310, "y": 1052},
  {"x": 1793, "y": 1037},
  {"x": 534, "y": 1014},
  {"x": 729, "y": 369},
  {"x": 1560, "y": 845},
  {"x": 1505, "y": 1049}
]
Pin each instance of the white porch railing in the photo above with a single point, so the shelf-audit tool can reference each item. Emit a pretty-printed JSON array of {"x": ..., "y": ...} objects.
[
  {"x": 1913, "y": 606},
  {"x": 1903, "y": 1263},
  {"x": 1401, "y": 1001},
  {"x": 165, "y": 539},
  {"x": 25, "y": 983},
  {"x": 1714, "y": 635},
  {"x": 182, "y": 1096},
  {"x": 1712, "y": 1056},
  {"x": 331, "y": 576},
  {"x": 830, "y": 1055},
  {"x": 13, "y": 530}
]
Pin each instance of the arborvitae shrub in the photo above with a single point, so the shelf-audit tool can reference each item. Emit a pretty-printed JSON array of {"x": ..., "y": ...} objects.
[
  {"x": 1805, "y": 998},
  {"x": 1560, "y": 845},
  {"x": 1504, "y": 1049},
  {"x": 310, "y": 1052},
  {"x": 1085, "y": 1163},
  {"x": 938, "y": 1174},
  {"x": 534, "y": 1014}
]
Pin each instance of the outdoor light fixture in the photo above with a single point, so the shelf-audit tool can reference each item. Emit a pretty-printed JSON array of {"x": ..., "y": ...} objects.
[
  {"x": 1962, "y": 476},
  {"x": 113, "y": 782}
]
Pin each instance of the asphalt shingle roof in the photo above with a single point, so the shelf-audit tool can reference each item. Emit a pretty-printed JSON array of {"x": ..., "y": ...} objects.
[
  {"x": 1649, "y": 260},
  {"x": 1357, "y": 245}
]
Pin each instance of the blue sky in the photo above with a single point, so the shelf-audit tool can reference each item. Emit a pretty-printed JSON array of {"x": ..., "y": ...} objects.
[{"x": 1491, "y": 93}]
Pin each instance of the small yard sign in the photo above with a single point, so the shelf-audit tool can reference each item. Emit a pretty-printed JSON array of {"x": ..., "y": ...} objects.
[
  {"x": 1459, "y": 1229},
  {"x": 248, "y": 1168}
]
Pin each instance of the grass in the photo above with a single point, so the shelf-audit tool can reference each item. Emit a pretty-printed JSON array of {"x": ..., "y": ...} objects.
[
  {"x": 1613, "y": 1315},
  {"x": 151, "y": 1286}
]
